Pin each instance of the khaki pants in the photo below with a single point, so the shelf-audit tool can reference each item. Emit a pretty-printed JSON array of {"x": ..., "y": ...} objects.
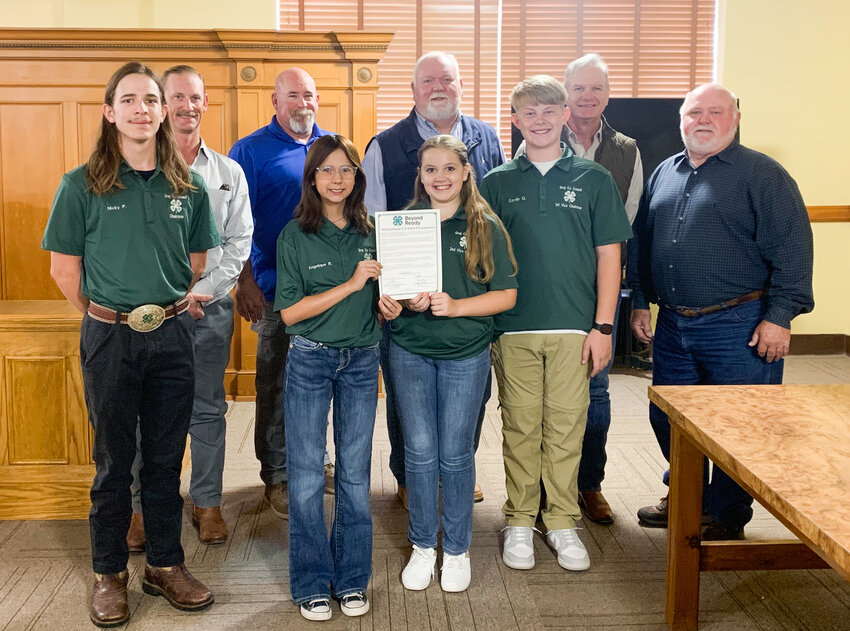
[{"x": 543, "y": 392}]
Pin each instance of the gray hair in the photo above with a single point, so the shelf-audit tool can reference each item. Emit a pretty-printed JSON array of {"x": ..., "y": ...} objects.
[
  {"x": 541, "y": 89},
  {"x": 436, "y": 54},
  {"x": 718, "y": 86},
  {"x": 590, "y": 60}
]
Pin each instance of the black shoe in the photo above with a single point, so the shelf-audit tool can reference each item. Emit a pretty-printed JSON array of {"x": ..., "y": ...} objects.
[
  {"x": 656, "y": 516},
  {"x": 720, "y": 532}
]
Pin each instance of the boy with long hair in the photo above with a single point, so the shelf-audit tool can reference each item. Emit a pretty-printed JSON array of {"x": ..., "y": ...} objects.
[{"x": 128, "y": 235}]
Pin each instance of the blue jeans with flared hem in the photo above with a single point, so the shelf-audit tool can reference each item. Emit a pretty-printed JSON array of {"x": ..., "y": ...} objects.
[
  {"x": 710, "y": 350},
  {"x": 439, "y": 401},
  {"x": 315, "y": 374}
]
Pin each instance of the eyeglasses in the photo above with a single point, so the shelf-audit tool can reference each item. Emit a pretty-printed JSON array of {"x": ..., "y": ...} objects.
[{"x": 345, "y": 171}]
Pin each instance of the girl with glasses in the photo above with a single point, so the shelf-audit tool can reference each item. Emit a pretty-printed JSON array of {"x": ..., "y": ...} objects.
[{"x": 327, "y": 294}]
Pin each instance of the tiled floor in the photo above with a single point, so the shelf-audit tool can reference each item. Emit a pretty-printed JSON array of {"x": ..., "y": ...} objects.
[{"x": 45, "y": 575}]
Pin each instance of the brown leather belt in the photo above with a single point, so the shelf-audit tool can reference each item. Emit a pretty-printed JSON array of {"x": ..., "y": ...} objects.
[
  {"x": 693, "y": 313},
  {"x": 143, "y": 319}
]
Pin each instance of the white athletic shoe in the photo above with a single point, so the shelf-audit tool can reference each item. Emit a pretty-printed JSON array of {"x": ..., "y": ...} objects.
[
  {"x": 518, "y": 549},
  {"x": 572, "y": 555},
  {"x": 420, "y": 568},
  {"x": 456, "y": 572}
]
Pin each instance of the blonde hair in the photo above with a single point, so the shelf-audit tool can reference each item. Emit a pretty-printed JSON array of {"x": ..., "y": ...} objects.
[
  {"x": 541, "y": 89},
  {"x": 105, "y": 161},
  {"x": 480, "y": 218}
]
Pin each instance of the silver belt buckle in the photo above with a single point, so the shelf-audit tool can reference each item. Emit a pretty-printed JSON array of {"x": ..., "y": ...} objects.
[{"x": 146, "y": 318}]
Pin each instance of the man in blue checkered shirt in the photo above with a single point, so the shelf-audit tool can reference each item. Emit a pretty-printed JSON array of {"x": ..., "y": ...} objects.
[{"x": 723, "y": 246}]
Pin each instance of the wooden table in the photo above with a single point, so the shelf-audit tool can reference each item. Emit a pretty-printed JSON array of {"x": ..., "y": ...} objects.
[{"x": 789, "y": 447}]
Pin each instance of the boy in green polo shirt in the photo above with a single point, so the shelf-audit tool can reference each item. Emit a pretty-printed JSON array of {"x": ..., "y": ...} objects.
[
  {"x": 566, "y": 220},
  {"x": 128, "y": 236}
]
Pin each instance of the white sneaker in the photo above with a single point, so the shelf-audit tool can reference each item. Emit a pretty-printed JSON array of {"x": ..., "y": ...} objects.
[
  {"x": 354, "y": 605},
  {"x": 317, "y": 609},
  {"x": 572, "y": 554},
  {"x": 518, "y": 550},
  {"x": 420, "y": 568},
  {"x": 456, "y": 572}
]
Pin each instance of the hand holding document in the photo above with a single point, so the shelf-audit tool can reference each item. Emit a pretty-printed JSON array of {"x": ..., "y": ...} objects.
[{"x": 410, "y": 251}]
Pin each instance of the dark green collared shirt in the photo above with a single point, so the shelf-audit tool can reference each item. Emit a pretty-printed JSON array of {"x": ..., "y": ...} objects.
[
  {"x": 135, "y": 242},
  {"x": 555, "y": 221},
  {"x": 456, "y": 338},
  {"x": 309, "y": 264}
]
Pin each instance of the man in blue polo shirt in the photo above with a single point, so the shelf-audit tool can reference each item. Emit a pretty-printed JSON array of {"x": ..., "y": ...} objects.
[{"x": 273, "y": 160}]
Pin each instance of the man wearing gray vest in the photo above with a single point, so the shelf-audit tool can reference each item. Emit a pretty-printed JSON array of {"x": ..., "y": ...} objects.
[{"x": 590, "y": 136}]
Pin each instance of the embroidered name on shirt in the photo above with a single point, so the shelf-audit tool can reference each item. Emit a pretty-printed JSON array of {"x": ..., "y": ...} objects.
[
  {"x": 320, "y": 265},
  {"x": 512, "y": 200},
  {"x": 116, "y": 207}
]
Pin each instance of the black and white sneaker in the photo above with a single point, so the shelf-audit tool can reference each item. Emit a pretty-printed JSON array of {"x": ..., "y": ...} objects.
[
  {"x": 317, "y": 609},
  {"x": 354, "y": 604}
]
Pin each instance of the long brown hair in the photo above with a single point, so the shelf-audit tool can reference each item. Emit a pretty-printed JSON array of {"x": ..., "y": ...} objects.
[
  {"x": 105, "y": 160},
  {"x": 309, "y": 209},
  {"x": 480, "y": 218}
]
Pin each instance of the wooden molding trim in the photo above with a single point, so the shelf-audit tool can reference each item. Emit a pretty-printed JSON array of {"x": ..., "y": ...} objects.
[
  {"x": 820, "y": 344},
  {"x": 352, "y": 45},
  {"x": 828, "y": 213}
]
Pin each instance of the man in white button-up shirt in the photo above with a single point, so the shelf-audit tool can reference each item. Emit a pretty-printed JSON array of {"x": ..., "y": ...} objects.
[{"x": 187, "y": 100}]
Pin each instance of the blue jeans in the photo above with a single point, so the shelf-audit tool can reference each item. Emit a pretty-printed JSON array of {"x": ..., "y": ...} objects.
[
  {"x": 137, "y": 380},
  {"x": 591, "y": 470},
  {"x": 315, "y": 374},
  {"x": 394, "y": 431},
  {"x": 439, "y": 401},
  {"x": 710, "y": 350}
]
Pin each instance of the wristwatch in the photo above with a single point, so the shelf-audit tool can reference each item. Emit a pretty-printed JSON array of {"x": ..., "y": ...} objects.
[{"x": 604, "y": 329}]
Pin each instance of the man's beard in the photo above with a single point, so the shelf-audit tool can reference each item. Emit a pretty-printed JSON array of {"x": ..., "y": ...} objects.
[
  {"x": 441, "y": 112},
  {"x": 301, "y": 121},
  {"x": 707, "y": 147}
]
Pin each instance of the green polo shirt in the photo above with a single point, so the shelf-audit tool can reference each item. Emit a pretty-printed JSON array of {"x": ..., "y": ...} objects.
[
  {"x": 440, "y": 337},
  {"x": 309, "y": 264},
  {"x": 135, "y": 242},
  {"x": 555, "y": 221}
]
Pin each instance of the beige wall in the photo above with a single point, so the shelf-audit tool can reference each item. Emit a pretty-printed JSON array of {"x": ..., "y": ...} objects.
[
  {"x": 787, "y": 61},
  {"x": 189, "y": 14}
]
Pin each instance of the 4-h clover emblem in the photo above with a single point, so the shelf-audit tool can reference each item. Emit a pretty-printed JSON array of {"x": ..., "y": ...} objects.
[
  {"x": 397, "y": 221},
  {"x": 367, "y": 256},
  {"x": 463, "y": 241},
  {"x": 147, "y": 318},
  {"x": 176, "y": 205},
  {"x": 569, "y": 196}
]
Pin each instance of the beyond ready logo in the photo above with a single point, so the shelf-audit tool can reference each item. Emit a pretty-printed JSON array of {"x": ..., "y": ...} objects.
[{"x": 397, "y": 221}]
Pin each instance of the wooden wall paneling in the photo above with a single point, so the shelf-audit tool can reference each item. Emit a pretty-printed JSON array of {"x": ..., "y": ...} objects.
[
  {"x": 36, "y": 390},
  {"x": 67, "y": 69},
  {"x": 45, "y": 439},
  {"x": 31, "y": 144}
]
